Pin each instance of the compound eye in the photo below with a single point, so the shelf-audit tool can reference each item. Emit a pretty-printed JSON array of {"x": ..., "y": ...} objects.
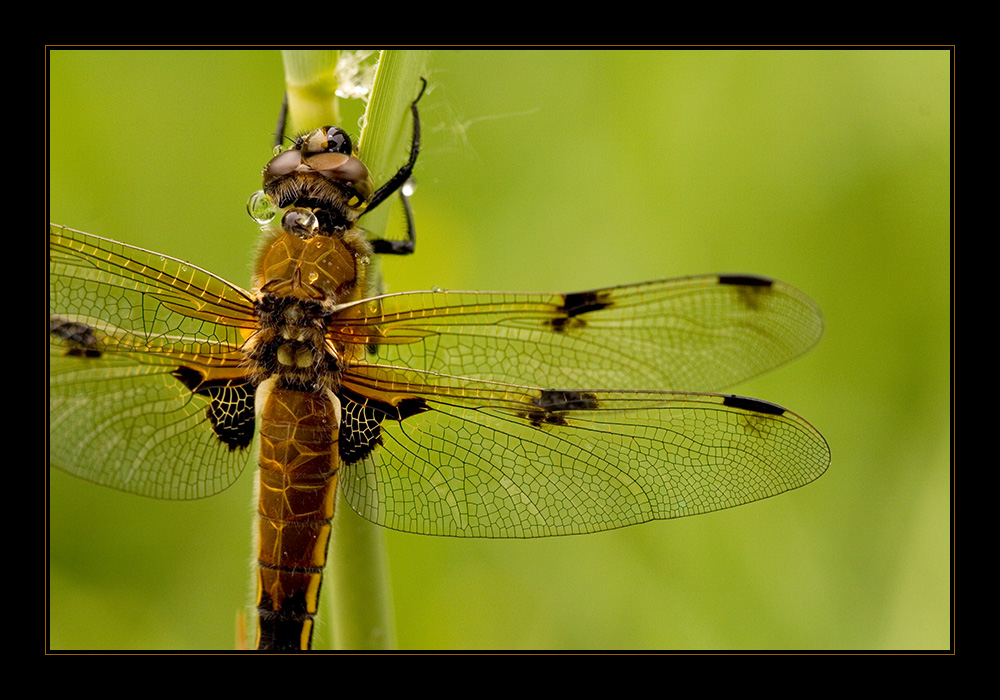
[
  {"x": 282, "y": 164},
  {"x": 339, "y": 141},
  {"x": 329, "y": 139}
]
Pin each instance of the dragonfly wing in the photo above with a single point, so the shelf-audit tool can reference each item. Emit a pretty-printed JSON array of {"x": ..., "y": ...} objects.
[
  {"x": 689, "y": 334},
  {"x": 147, "y": 389},
  {"x": 480, "y": 459}
]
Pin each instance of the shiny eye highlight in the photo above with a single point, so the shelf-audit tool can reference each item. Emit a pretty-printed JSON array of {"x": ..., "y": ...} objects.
[{"x": 328, "y": 139}]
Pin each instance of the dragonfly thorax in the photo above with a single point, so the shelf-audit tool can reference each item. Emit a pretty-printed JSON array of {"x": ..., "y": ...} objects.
[
  {"x": 298, "y": 283},
  {"x": 291, "y": 345},
  {"x": 317, "y": 268}
]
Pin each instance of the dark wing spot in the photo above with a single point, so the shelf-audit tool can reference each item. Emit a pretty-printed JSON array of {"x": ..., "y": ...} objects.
[
  {"x": 360, "y": 429},
  {"x": 552, "y": 402},
  {"x": 81, "y": 341},
  {"x": 755, "y": 405},
  {"x": 746, "y": 280},
  {"x": 583, "y": 302},
  {"x": 230, "y": 409},
  {"x": 410, "y": 406},
  {"x": 578, "y": 304},
  {"x": 751, "y": 288},
  {"x": 556, "y": 400},
  {"x": 361, "y": 422}
]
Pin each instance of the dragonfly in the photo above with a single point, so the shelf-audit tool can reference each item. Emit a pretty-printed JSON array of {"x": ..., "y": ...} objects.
[{"x": 455, "y": 413}]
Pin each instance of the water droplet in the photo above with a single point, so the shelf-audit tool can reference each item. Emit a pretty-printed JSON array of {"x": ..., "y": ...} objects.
[
  {"x": 260, "y": 207},
  {"x": 301, "y": 222}
]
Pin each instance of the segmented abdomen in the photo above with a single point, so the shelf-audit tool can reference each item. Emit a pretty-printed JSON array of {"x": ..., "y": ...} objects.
[{"x": 298, "y": 484}]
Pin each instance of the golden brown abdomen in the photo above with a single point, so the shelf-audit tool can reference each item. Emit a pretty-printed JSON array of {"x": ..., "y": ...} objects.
[{"x": 298, "y": 483}]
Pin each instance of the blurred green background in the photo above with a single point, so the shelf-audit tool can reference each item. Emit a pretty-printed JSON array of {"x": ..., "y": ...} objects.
[{"x": 566, "y": 171}]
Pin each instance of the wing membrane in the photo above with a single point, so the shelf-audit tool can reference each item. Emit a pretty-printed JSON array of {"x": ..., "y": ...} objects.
[
  {"x": 148, "y": 394},
  {"x": 142, "y": 303},
  {"x": 692, "y": 334},
  {"x": 146, "y": 390},
  {"x": 482, "y": 459}
]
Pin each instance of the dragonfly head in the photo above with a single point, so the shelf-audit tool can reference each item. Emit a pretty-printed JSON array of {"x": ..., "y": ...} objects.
[{"x": 321, "y": 172}]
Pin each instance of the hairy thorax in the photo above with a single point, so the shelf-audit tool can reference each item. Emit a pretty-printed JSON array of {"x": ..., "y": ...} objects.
[{"x": 299, "y": 283}]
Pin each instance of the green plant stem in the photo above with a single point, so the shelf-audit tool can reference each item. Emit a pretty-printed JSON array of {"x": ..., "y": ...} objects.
[{"x": 311, "y": 88}]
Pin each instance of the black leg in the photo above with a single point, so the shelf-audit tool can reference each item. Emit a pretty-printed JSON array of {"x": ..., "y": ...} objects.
[
  {"x": 401, "y": 176},
  {"x": 279, "y": 131},
  {"x": 405, "y": 246}
]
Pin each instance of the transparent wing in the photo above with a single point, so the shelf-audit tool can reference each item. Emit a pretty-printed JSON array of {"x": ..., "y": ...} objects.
[
  {"x": 689, "y": 334},
  {"x": 479, "y": 459},
  {"x": 146, "y": 389}
]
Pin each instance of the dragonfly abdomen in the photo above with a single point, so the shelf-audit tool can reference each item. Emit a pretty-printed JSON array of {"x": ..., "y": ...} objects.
[{"x": 298, "y": 483}]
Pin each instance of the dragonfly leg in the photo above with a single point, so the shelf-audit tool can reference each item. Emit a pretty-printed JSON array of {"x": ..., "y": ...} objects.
[{"x": 407, "y": 245}]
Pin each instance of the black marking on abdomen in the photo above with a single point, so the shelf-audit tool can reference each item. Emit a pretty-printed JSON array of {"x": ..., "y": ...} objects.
[
  {"x": 755, "y": 405},
  {"x": 361, "y": 422},
  {"x": 552, "y": 402},
  {"x": 80, "y": 338},
  {"x": 230, "y": 409},
  {"x": 298, "y": 604},
  {"x": 283, "y": 632},
  {"x": 577, "y": 304}
]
